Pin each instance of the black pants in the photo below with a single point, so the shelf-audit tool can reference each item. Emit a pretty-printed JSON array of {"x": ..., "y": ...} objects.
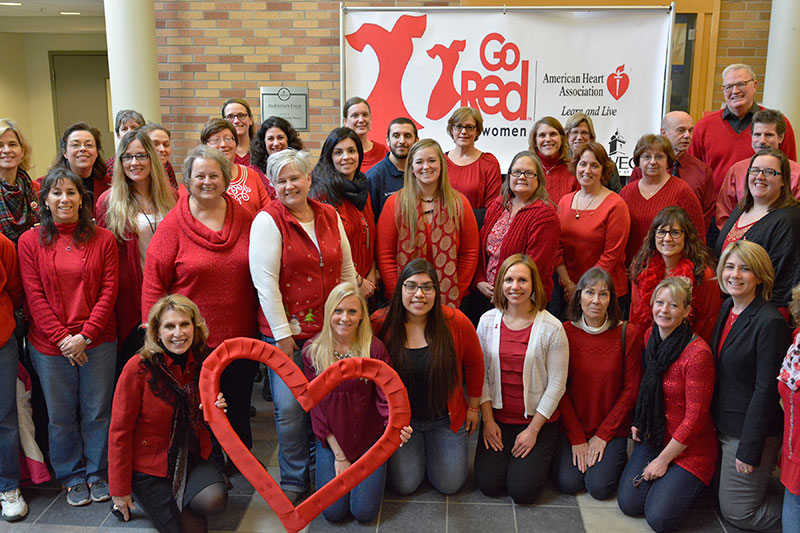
[{"x": 236, "y": 385}]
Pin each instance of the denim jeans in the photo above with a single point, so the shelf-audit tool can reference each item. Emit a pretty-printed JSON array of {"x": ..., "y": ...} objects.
[
  {"x": 601, "y": 480},
  {"x": 664, "y": 502},
  {"x": 364, "y": 501},
  {"x": 78, "y": 446},
  {"x": 293, "y": 425},
  {"x": 9, "y": 427},
  {"x": 791, "y": 512},
  {"x": 435, "y": 448}
]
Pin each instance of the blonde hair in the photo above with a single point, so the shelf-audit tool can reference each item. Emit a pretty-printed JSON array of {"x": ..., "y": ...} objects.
[
  {"x": 6, "y": 124},
  {"x": 408, "y": 196},
  {"x": 679, "y": 287},
  {"x": 754, "y": 256},
  {"x": 123, "y": 208},
  {"x": 321, "y": 350},
  {"x": 173, "y": 302}
]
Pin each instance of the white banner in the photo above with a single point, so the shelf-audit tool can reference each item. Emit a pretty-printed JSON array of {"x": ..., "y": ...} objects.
[{"x": 515, "y": 66}]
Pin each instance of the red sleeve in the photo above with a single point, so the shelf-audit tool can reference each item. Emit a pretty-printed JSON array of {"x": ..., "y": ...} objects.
[
  {"x": 263, "y": 194},
  {"x": 468, "y": 247},
  {"x": 159, "y": 267},
  {"x": 10, "y": 263},
  {"x": 618, "y": 228},
  {"x": 631, "y": 378},
  {"x": 469, "y": 346},
  {"x": 569, "y": 421},
  {"x": 319, "y": 423},
  {"x": 124, "y": 414},
  {"x": 700, "y": 375},
  {"x": 386, "y": 247},
  {"x": 378, "y": 351},
  {"x": 726, "y": 199},
  {"x": 696, "y": 147},
  {"x": 707, "y": 196},
  {"x": 543, "y": 238},
  {"x": 706, "y": 302},
  {"x": 692, "y": 206},
  {"x": 489, "y": 220},
  {"x": 35, "y": 296},
  {"x": 103, "y": 308},
  {"x": 493, "y": 180},
  {"x": 563, "y": 207}
]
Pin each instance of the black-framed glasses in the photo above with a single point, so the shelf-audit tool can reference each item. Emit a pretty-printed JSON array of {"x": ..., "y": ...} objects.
[
  {"x": 674, "y": 233},
  {"x": 738, "y": 85},
  {"x": 768, "y": 172},
  {"x": 411, "y": 288},
  {"x": 232, "y": 116},
  {"x": 141, "y": 158},
  {"x": 469, "y": 128},
  {"x": 530, "y": 174}
]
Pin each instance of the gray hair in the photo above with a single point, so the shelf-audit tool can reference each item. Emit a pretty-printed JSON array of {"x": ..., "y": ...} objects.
[
  {"x": 279, "y": 160},
  {"x": 127, "y": 115},
  {"x": 203, "y": 151},
  {"x": 739, "y": 66}
]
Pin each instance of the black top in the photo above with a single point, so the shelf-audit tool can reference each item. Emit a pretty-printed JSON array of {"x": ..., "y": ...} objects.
[
  {"x": 779, "y": 233},
  {"x": 417, "y": 383}
]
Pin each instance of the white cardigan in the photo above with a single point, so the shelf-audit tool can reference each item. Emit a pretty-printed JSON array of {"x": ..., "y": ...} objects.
[{"x": 544, "y": 374}]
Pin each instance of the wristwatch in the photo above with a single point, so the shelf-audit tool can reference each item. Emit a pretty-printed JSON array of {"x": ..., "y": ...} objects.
[{"x": 86, "y": 339}]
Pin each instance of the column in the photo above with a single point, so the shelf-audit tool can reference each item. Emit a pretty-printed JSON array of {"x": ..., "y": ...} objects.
[{"x": 783, "y": 62}]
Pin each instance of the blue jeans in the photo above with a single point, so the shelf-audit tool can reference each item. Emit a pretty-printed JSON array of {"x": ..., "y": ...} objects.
[
  {"x": 435, "y": 448},
  {"x": 664, "y": 502},
  {"x": 293, "y": 425},
  {"x": 364, "y": 501},
  {"x": 78, "y": 446},
  {"x": 9, "y": 427},
  {"x": 791, "y": 512},
  {"x": 601, "y": 480}
]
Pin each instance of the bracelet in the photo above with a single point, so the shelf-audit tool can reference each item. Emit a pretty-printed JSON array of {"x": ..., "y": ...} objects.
[
  {"x": 473, "y": 409},
  {"x": 340, "y": 460}
]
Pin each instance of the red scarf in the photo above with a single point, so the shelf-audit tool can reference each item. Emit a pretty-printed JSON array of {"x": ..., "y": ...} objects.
[
  {"x": 649, "y": 278},
  {"x": 443, "y": 246}
]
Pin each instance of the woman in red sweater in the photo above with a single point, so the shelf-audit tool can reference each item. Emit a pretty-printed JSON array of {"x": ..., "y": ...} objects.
[
  {"x": 522, "y": 220},
  {"x": 676, "y": 451},
  {"x": 200, "y": 244},
  {"x": 69, "y": 271},
  {"x": 671, "y": 248},
  {"x": 473, "y": 173},
  {"x": 138, "y": 200},
  {"x": 549, "y": 141},
  {"x": 433, "y": 348},
  {"x": 427, "y": 218},
  {"x": 337, "y": 180},
  {"x": 158, "y": 443},
  {"x": 595, "y": 222},
  {"x": 788, "y": 383},
  {"x": 656, "y": 190},
  {"x": 604, "y": 372}
]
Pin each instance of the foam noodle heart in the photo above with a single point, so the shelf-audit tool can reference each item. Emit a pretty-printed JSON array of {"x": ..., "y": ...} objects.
[{"x": 308, "y": 395}]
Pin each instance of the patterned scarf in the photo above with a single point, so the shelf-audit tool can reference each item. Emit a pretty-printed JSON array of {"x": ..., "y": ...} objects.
[
  {"x": 18, "y": 206},
  {"x": 649, "y": 278},
  {"x": 790, "y": 369},
  {"x": 442, "y": 243}
]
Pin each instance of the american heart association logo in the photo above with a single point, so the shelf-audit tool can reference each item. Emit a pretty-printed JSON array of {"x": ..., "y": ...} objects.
[
  {"x": 308, "y": 394},
  {"x": 618, "y": 82}
]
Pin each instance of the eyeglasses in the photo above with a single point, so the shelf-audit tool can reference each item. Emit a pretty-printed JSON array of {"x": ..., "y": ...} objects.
[
  {"x": 411, "y": 288},
  {"x": 127, "y": 158},
  {"x": 674, "y": 233},
  {"x": 527, "y": 173},
  {"x": 216, "y": 141},
  {"x": 637, "y": 480},
  {"x": 768, "y": 172},
  {"x": 739, "y": 85},
  {"x": 233, "y": 116},
  {"x": 469, "y": 128}
]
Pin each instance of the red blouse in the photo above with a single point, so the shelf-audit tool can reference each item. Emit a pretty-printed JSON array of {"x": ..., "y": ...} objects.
[
  {"x": 374, "y": 156},
  {"x": 479, "y": 181},
  {"x": 513, "y": 347}
]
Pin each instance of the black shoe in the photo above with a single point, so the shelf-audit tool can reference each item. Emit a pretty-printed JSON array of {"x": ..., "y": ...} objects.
[{"x": 78, "y": 495}]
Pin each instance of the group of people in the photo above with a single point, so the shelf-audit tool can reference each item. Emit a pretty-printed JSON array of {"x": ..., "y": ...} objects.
[{"x": 552, "y": 308}]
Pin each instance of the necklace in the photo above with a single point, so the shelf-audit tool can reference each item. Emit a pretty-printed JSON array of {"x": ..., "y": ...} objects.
[
  {"x": 339, "y": 356},
  {"x": 154, "y": 224},
  {"x": 579, "y": 212},
  {"x": 547, "y": 171},
  {"x": 69, "y": 246},
  {"x": 431, "y": 199}
]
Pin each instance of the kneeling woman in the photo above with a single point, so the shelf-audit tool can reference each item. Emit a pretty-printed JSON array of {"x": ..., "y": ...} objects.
[
  {"x": 676, "y": 452},
  {"x": 430, "y": 345},
  {"x": 526, "y": 357},
  {"x": 158, "y": 444},
  {"x": 349, "y": 420}
]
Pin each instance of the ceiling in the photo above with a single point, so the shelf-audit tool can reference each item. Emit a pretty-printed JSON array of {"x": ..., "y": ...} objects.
[
  {"x": 49, "y": 8},
  {"x": 44, "y": 16}
]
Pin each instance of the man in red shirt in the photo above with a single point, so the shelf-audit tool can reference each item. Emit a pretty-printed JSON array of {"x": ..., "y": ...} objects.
[{"x": 767, "y": 130}]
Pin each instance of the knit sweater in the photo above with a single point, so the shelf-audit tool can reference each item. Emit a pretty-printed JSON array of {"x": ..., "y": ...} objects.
[
  {"x": 10, "y": 288},
  {"x": 374, "y": 156},
  {"x": 188, "y": 258},
  {"x": 558, "y": 180},
  {"x": 248, "y": 190},
  {"x": 479, "y": 181}
]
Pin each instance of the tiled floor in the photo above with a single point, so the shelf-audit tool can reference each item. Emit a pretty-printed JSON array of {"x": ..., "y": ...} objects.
[{"x": 425, "y": 511}]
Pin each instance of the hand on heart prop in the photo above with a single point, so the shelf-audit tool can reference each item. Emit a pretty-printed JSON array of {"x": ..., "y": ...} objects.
[{"x": 308, "y": 395}]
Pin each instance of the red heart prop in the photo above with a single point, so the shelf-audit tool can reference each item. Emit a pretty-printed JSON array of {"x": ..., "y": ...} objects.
[
  {"x": 618, "y": 82},
  {"x": 308, "y": 395}
]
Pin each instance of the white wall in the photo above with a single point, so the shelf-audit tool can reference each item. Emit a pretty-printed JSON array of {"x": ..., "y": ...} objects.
[{"x": 14, "y": 101}]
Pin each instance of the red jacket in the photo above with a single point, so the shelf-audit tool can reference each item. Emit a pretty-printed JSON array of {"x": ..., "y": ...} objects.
[
  {"x": 100, "y": 275},
  {"x": 300, "y": 260},
  {"x": 10, "y": 288},
  {"x": 470, "y": 360},
  {"x": 141, "y": 425}
]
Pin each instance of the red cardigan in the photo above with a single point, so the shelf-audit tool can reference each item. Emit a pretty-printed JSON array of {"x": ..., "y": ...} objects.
[
  {"x": 597, "y": 239},
  {"x": 48, "y": 313},
  {"x": 534, "y": 231},
  {"x": 602, "y": 385},
  {"x": 466, "y": 246},
  {"x": 470, "y": 360},
  {"x": 141, "y": 425},
  {"x": 479, "y": 181},
  {"x": 129, "y": 300},
  {"x": 10, "y": 288},
  {"x": 359, "y": 226},
  {"x": 208, "y": 267}
]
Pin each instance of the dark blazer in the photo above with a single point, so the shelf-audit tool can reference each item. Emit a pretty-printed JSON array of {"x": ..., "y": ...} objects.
[{"x": 746, "y": 397}]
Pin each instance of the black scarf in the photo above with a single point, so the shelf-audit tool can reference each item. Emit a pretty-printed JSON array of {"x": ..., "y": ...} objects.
[
  {"x": 356, "y": 190},
  {"x": 187, "y": 419},
  {"x": 659, "y": 355}
]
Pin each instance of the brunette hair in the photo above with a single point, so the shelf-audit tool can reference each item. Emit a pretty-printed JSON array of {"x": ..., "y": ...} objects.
[
  {"x": 402, "y": 120},
  {"x": 594, "y": 275},
  {"x": 599, "y": 153},
  {"x": 98, "y": 168},
  {"x": 755, "y": 257},
  {"x": 541, "y": 190},
  {"x": 258, "y": 147},
  {"x": 128, "y": 115},
  {"x": 48, "y": 233},
  {"x": 326, "y": 181},
  {"x": 651, "y": 141},
  {"x": 156, "y": 127},
  {"x": 216, "y": 125},
  {"x": 785, "y": 198},
  {"x": 576, "y": 120},
  {"x": 769, "y": 116},
  {"x": 563, "y": 153},
  {"x": 354, "y": 100},
  {"x": 242, "y": 102},
  {"x": 6, "y": 124},
  {"x": 538, "y": 296},
  {"x": 443, "y": 362},
  {"x": 461, "y": 114},
  {"x": 182, "y": 304},
  {"x": 794, "y": 305},
  {"x": 694, "y": 248}
]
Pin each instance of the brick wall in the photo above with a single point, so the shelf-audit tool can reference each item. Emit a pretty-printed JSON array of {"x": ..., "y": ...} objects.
[
  {"x": 211, "y": 51},
  {"x": 743, "y": 38}
]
